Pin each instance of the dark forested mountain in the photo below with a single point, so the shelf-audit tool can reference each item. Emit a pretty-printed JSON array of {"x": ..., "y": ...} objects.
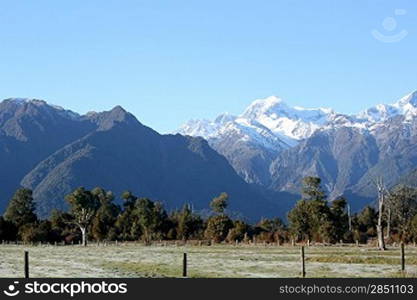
[
  {"x": 53, "y": 151},
  {"x": 29, "y": 132}
]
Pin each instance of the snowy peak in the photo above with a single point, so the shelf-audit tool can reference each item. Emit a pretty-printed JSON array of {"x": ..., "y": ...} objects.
[
  {"x": 274, "y": 107},
  {"x": 263, "y": 106},
  {"x": 276, "y": 121},
  {"x": 270, "y": 119},
  {"x": 201, "y": 128},
  {"x": 289, "y": 123},
  {"x": 406, "y": 106},
  {"x": 224, "y": 118},
  {"x": 407, "y": 101}
]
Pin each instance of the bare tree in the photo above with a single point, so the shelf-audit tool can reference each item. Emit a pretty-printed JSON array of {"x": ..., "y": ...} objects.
[
  {"x": 381, "y": 199},
  {"x": 388, "y": 233},
  {"x": 349, "y": 218}
]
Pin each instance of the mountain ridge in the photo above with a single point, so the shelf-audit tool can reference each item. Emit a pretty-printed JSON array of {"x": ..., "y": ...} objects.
[{"x": 114, "y": 150}]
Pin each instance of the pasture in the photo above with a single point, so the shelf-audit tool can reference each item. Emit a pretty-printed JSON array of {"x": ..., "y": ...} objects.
[{"x": 219, "y": 261}]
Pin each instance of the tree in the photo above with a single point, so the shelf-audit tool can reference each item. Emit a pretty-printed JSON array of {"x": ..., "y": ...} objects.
[
  {"x": 340, "y": 218},
  {"x": 311, "y": 212},
  {"x": 187, "y": 223},
  {"x": 300, "y": 220},
  {"x": 36, "y": 232},
  {"x": 381, "y": 201},
  {"x": 312, "y": 190},
  {"x": 238, "y": 231},
  {"x": 413, "y": 225},
  {"x": 402, "y": 202},
  {"x": 129, "y": 199},
  {"x": 151, "y": 217},
  {"x": 219, "y": 204},
  {"x": 8, "y": 230},
  {"x": 366, "y": 220},
  {"x": 219, "y": 224},
  {"x": 21, "y": 208},
  {"x": 270, "y": 225},
  {"x": 218, "y": 227},
  {"x": 61, "y": 226},
  {"x": 83, "y": 206},
  {"x": 127, "y": 225},
  {"x": 106, "y": 215}
]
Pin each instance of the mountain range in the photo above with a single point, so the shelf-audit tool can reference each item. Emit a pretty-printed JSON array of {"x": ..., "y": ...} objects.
[
  {"x": 274, "y": 145},
  {"x": 53, "y": 151},
  {"x": 259, "y": 157}
]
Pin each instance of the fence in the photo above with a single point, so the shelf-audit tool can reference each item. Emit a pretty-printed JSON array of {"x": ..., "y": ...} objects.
[{"x": 185, "y": 262}]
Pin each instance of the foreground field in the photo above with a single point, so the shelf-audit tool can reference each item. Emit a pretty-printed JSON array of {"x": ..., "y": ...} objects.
[{"x": 134, "y": 260}]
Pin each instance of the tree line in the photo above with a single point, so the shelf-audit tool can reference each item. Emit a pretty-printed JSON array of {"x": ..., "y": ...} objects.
[{"x": 94, "y": 215}]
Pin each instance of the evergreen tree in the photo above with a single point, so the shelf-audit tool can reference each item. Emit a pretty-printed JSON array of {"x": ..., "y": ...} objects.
[
  {"x": 312, "y": 189},
  {"x": 188, "y": 224},
  {"x": 106, "y": 215},
  {"x": 311, "y": 217},
  {"x": 402, "y": 202},
  {"x": 21, "y": 208},
  {"x": 151, "y": 217},
  {"x": 339, "y": 218}
]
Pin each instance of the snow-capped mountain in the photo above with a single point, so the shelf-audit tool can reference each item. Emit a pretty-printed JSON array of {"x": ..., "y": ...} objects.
[
  {"x": 406, "y": 106},
  {"x": 292, "y": 124},
  {"x": 269, "y": 126},
  {"x": 269, "y": 116},
  {"x": 253, "y": 139}
]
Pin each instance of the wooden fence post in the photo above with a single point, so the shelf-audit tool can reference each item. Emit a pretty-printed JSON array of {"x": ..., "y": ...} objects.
[
  {"x": 26, "y": 264},
  {"x": 184, "y": 265},
  {"x": 303, "y": 265},
  {"x": 402, "y": 257}
]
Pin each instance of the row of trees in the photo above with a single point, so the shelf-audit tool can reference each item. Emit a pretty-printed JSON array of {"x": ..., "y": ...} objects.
[
  {"x": 316, "y": 219},
  {"x": 94, "y": 215}
]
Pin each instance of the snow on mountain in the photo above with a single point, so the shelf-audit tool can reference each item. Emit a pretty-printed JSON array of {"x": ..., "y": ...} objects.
[
  {"x": 290, "y": 123},
  {"x": 271, "y": 122},
  {"x": 406, "y": 106}
]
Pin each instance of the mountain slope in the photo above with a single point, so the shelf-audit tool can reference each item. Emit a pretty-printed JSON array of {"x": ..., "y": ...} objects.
[
  {"x": 122, "y": 154},
  {"x": 252, "y": 140},
  {"x": 347, "y": 151},
  {"x": 30, "y": 130},
  {"x": 349, "y": 159}
]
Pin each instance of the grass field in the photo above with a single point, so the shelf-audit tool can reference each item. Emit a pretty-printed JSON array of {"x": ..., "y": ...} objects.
[{"x": 134, "y": 260}]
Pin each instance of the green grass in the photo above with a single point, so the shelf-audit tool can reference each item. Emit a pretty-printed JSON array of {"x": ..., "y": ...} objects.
[{"x": 135, "y": 260}]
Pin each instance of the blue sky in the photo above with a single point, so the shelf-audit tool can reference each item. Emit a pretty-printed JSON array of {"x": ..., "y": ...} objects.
[{"x": 169, "y": 61}]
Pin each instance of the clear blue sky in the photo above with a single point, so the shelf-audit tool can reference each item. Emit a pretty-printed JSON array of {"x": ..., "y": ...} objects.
[{"x": 169, "y": 61}]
